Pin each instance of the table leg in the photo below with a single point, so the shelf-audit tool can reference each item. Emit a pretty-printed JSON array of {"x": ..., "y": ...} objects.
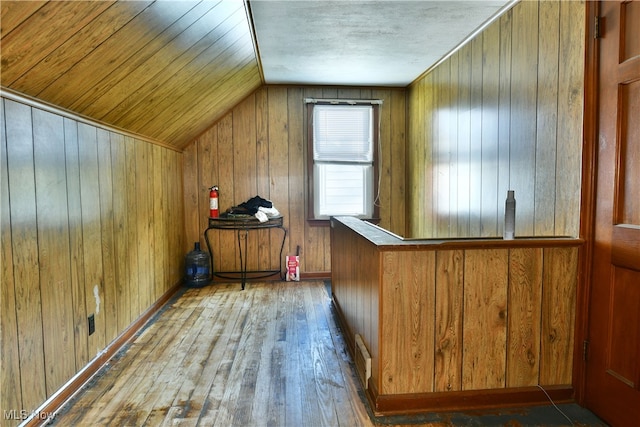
[
  {"x": 206, "y": 239},
  {"x": 284, "y": 237},
  {"x": 243, "y": 259}
]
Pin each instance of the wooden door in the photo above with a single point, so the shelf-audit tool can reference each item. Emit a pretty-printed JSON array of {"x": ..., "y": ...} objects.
[{"x": 613, "y": 364}]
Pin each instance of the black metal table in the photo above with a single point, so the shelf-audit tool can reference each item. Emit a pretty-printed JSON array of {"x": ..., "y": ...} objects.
[{"x": 242, "y": 224}]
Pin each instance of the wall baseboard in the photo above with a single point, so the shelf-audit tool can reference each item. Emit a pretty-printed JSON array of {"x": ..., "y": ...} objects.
[
  {"x": 469, "y": 400},
  {"x": 316, "y": 275},
  {"x": 47, "y": 411}
]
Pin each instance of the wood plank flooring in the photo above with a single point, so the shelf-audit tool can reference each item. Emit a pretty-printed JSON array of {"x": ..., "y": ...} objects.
[
  {"x": 271, "y": 355},
  {"x": 218, "y": 356}
]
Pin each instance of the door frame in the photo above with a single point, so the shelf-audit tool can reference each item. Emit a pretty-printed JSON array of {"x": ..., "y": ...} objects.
[{"x": 588, "y": 193}]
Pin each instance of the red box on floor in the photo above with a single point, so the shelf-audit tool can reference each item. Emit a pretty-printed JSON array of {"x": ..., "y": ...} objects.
[{"x": 293, "y": 268}]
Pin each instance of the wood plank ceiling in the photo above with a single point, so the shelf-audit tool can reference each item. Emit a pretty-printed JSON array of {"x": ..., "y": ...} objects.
[
  {"x": 162, "y": 69},
  {"x": 167, "y": 70}
]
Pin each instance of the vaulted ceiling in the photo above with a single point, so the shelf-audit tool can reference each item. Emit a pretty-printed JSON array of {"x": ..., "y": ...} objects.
[{"x": 168, "y": 69}]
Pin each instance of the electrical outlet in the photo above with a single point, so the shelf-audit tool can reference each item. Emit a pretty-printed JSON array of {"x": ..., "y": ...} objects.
[{"x": 92, "y": 324}]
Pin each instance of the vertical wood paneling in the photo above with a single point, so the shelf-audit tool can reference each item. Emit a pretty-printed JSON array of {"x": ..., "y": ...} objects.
[
  {"x": 442, "y": 149},
  {"x": 525, "y": 293},
  {"x": 151, "y": 242},
  {"x": 261, "y": 149},
  {"x": 121, "y": 231},
  {"x": 524, "y": 82},
  {"x": 78, "y": 293},
  {"x": 315, "y": 245},
  {"x": 278, "y": 172},
  {"x": 10, "y": 385},
  {"x": 448, "y": 321},
  {"x": 134, "y": 265},
  {"x": 490, "y": 208},
  {"x": 427, "y": 181},
  {"x": 91, "y": 235},
  {"x": 176, "y": 218},
  {"x": 158, "y": 199},
  {"x": 485, "y": 319},
  {"x": 570, "y": 117},
  {"x": 245, "y": 176},
  {"x": 397, "y": 162},
  {"x": 432, "y": 181},
  {"x": 558, "y": 315},
  {"x": 177, "y": 225},
  {"x": 107, "y": 233},
  {"x": 191, "y": 182},
  {"x": 415, "y": 102},
  {"x": 225, "y": 161},
  {"x": 355, "y": 271},
  {"x": 547, "y": 118},
  {"x": 24, "y": 241},
  {"x": 514, "y": 122},
  {"x": 504, "y": 116},
  {"x": 77, "y": 212},
  {"x": 408, "y": 305},
  {"x": 424, "y": 187},
  {"x": 474, "y": 192},
  {"x": 262, "y": 170},
  {"x": 53, "y": 248},
  {"x": 372, "y": 312},
  {"x": 142, "y": 211},
  {"x": 452, "y": 136},
  {"x": 464, "y": 141},
  {"x": 457, "y": 319},
  {"x": 207, "y": 176}
]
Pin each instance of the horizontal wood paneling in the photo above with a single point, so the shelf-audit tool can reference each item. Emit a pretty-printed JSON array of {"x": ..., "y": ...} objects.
[
  {"x": 92, "y": 223},
  {"x": 503, "y": 112},
  {"x": 146, "y": 66},
  {"x": 457, "y": 320},
  {"x": 259, "y": 148}
]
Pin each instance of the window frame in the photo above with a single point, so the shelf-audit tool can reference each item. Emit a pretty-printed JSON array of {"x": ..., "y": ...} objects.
[{"x": 310, "y": 104}]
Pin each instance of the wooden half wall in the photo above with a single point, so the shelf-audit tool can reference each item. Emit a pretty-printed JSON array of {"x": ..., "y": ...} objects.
[
  {"x": 503, "y": 112},
  {"x": 92, "y": 224},
  {"x": 259, "y": 148},
  {"x": 457, "y": 324}
]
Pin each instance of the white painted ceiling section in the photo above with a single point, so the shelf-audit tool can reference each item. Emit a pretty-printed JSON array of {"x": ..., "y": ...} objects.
[{"x": 362, "y": 43}]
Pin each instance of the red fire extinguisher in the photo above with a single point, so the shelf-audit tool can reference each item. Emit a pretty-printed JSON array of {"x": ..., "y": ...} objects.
[{"x": 214, "y": 212}]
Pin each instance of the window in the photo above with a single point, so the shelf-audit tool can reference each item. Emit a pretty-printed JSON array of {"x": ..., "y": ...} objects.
[{"x": 342, "y": 159}]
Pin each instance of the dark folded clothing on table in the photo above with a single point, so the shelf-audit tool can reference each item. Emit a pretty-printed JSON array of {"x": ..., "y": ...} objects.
[{"x": 250, "y": 207}]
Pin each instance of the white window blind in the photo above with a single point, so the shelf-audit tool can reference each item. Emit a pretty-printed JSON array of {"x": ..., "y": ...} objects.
[
  {"x": 343, "y": 160},
  {"x": 343, "y": 133}
]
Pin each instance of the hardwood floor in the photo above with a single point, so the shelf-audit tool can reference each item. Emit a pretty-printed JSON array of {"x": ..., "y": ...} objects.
[
  {"x": 271, "y": 355},
  {"x": 267, "y": 356}
]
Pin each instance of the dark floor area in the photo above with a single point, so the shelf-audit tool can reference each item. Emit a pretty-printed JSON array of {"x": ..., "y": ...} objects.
[{"x": 548, "y": 415}]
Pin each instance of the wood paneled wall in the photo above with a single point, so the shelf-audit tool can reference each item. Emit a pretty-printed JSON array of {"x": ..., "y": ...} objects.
[
  {"x": 503, "y": 112},
  {"x": 457, "y": 317},
  {"x": 259, "y": 148},
  {"x": 503, "y": 318},
  {"x": 92, "y": 223}
]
